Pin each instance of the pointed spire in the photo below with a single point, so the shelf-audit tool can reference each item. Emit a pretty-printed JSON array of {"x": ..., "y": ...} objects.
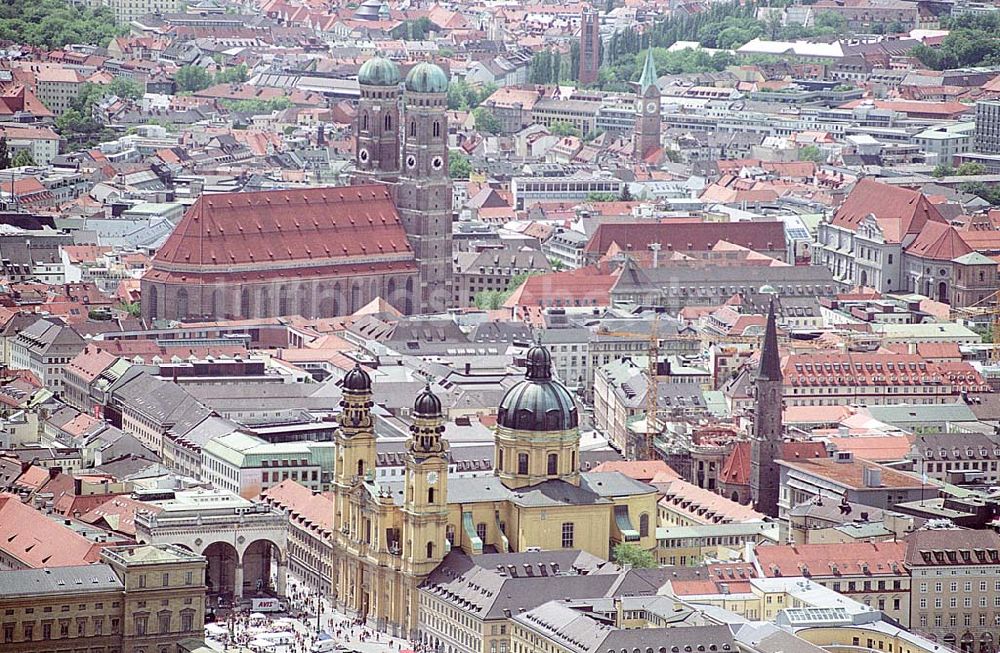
[
  {"x": 648, "y": 73},
  {"x": 770, "y": 359}
]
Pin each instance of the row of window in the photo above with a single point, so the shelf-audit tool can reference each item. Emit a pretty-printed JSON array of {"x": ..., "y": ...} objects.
[
  {"x": 966, "y": 602},
  {"x": 64, "y": 629}
]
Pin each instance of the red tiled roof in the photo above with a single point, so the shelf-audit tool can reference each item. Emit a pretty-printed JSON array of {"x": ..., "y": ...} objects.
[
  {"x": 939, "y": 242},
  {"x": 873, "y": 369},
  {"x": 702, "y": 506},
  {"x": 640, "y": 470},
  {"x": 317, "y": 227},
  {"x": 90, "y": 362},
  {"x": 684, "y": 236},
  {"x": 118, "y": 514},
  {"x": 581, "y": 287},
  {"x": 736, "y": 468},
  {"x": 33, "y": 478},
  {"x": 849, "y": 558},
  {"x": 851, "y": 473},
  {"x": 307, "y": 509},
  {"x": 887, "y": 448},
  {"x": 38, "y": 541},
  {"x": 899, "y": 211}
]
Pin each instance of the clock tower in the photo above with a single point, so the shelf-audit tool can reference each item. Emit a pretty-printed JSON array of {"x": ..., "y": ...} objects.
[
  {"x": 647, "y": 111},
  {"x": 377, "y": 124},
  {"x": 424, "y": 192},
  {"x": 425, "y": 499}
]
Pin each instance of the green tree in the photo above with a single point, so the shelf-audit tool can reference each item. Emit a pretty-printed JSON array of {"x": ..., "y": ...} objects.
[
  {"x": 128, "y": 89},
  {"x": 192, "y": 79},
  {"x": 456, "y": 95},
  {"x": 627, "y": 553},
  {"x": 52, "y": 24},
  {"x": 234, "y": 75},
  {"x": 490, "y": 299},
  {"x": 626, "y": 195},
  {"x": 563, "y": 128},
  {"x": 459, "y": 166},
  {"x": 4, "y": 153},
  {"x": 486, "y": 121},
  {"x": 257, "y": 106},
  {"x": 133, "y": 309},
  {"x": 970, "y": 168},
  {"x": 22, "y": 158},
  {"x": 942, "y": 170},
  {"x": 602, "y": 197},
  {"x": 832, "y": 21},
  {"x": 811, "y": 153},
  {"x": 88, "y": 95},
  {"x": 556, "y": 264}
]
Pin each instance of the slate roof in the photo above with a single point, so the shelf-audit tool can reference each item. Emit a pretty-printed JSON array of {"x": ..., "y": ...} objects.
[
  {"x": 490, "y": 586},
  {"x": 614, "y": 484},
  {"x": 84, "y": 579}
]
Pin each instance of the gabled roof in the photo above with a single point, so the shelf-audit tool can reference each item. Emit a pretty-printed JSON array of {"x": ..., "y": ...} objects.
[
  {"x": 685, "y": 236},
  {"x": 848, "y": 558},
  {"x": 39, "y": 541},
  {"x": 938, "y": 241},
  {"x": 899, "y": 211},
  {"x": 313, "y": 226}
]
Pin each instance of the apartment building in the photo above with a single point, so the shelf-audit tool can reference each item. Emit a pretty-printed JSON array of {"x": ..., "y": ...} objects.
[
  {"x": 493, "y": 270},
  {"x": 45, "y": 348},
  {"x": 956, "y": 587},
  {"x": 310, "y": 524},
  {"x": 957, "y": 458},
  {"x": 126, "y": 11},
  {"x": 846, "y": 479},
  {"x": 58, "y": 87},
  {"x": 40, "y": 142},
  {"x": 873, "y": 573},
  {"x": 246, "y": 464},
  {"x": 874, "y": 379},
  {"x": 137, "y": 598}
]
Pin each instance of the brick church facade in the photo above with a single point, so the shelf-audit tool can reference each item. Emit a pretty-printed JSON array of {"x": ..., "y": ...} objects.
[
  {"x": 326, "y": 252},
  {"x": 318, "y": 252}
]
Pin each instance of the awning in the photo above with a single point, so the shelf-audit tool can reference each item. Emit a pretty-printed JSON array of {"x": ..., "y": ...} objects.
[{"x": 625, "y": 524}]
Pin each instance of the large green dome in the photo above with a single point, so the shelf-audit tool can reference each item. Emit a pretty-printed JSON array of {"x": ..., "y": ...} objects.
[
  {"x": 378, "y": 71},
  {"x": 427, "y": 78}
]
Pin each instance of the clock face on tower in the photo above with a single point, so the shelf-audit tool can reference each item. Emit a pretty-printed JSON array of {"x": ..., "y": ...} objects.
[
  {"x": 432, "y": 478},
  {"x": 651, "y": 107},
  {"x": 363, "y": 155},
  {"x": 411, "y": 161},
  {"x": 437, "y": 163}
]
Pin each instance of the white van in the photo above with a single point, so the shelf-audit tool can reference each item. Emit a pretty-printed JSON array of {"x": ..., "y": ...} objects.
[{"x": 326, "y": 646}]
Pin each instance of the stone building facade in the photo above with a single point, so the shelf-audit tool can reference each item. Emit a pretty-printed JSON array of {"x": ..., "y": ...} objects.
[
  {"x": 388, "y": 536},
  {"x": 138, "y": 599}
]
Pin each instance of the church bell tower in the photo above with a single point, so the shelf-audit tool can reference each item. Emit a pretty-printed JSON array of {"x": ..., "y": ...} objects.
[
  {"x": 355, "y": 440},
  {"x": 647, "y": 111},
  {"x": 377, "y": 122},
  {"x": 765, "y": 473},
  {"x": 425, "y": 502},
  {"x": 424, "y": 193}
]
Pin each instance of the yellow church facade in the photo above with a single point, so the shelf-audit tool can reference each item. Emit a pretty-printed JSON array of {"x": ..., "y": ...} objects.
[{"x": 389, "y": 536}]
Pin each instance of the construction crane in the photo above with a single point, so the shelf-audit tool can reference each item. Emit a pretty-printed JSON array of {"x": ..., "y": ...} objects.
[
  {"x": 989, "y": 306},
  {"x": 646, "y": 452}
]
